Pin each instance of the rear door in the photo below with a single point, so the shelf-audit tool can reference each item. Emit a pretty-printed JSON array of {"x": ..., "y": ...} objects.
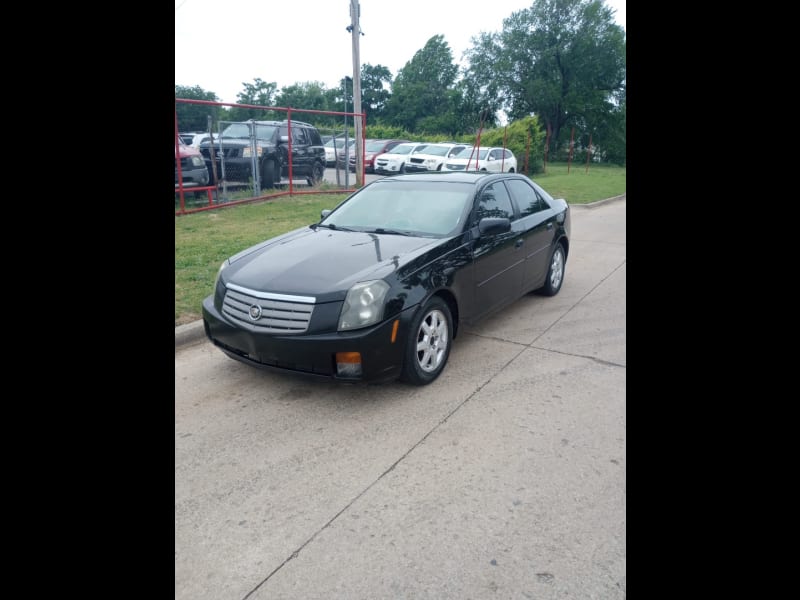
[
  {"x": 538, "y": 226},
  {"x": 301, "y": 152}
]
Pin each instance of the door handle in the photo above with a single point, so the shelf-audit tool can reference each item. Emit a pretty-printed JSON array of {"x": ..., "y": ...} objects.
[
  {"x": 549, "y": 224},
  {"x": 519, "y": 243}
]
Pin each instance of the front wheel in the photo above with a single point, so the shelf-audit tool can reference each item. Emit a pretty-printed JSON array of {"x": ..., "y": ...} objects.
[
  {"x": 555, "y": 273},
  {"x": 428, "y": 343},
  {"x": 317, "y": 172},
  {"x": 270, "y": 174}
]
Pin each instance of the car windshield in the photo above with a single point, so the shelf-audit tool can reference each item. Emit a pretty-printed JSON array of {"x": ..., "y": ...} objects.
[
  {"x": 405, "y": 148},
  {"x": 339, "y": 142},
  {"x": 434, "y": 150},
  {"x": 242, "y": 130},
  {"x": 467, "y": 152},
  {"x": 375, "y": 146},
  {"x": 424, "y": 208}
]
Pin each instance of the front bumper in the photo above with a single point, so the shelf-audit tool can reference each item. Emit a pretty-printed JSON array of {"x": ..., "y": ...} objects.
[
  {"x": 236, "y": 169},
  {"x": 193, "y": 177},
  {"x": 312, "y": 354},
  {"x": 391, "y": 169}
]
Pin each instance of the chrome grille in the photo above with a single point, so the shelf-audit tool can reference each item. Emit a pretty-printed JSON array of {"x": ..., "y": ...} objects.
[{"x": 277, "y": 313}]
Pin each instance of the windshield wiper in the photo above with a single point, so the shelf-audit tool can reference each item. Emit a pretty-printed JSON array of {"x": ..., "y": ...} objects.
[
  {"x": 333, "y": 226},
  {"x": 388, "y": 231}
]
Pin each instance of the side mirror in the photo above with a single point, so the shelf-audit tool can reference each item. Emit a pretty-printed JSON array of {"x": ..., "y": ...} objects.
[
  {"x": 494, "y": 225},
  {"x": 324, "y": 213}
]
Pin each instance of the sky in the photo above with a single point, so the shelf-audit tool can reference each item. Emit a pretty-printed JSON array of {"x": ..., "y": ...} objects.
[{"x": 220, "y": 46}]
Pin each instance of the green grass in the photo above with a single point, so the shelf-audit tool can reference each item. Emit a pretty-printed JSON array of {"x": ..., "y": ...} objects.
[{"x": 203, "y": 240}]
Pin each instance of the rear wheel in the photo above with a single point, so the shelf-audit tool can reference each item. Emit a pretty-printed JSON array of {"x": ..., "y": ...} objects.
[
  {"x": 269, "y": 174},
  {"x": 317, "y": 172},
  {"x": 555, "y": 273},
  {"x": 428, "y": 343}
]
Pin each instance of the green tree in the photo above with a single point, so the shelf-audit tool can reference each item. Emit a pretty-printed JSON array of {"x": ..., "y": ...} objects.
[
  {"x": 194, "y": 117},
  {"x": 309, "y": 96},
  {"x": 422, "y": 86},
  {"x": 563, "y": 60},
  {"x": 476, "y": 105},
  {"x": 258, "y": 93},
  {"x": 374, "y": 93}
]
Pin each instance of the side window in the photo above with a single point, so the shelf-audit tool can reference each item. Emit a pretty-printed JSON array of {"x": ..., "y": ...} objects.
[
  {"x": 494, "y": 202},
  {"x": 316, "y": 140},
  {"x": 299, "y": 136},
  {"x": 527, "y": 197}
]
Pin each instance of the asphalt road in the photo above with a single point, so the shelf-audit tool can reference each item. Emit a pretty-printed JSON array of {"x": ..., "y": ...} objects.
[{"x": 505, "y": 478}]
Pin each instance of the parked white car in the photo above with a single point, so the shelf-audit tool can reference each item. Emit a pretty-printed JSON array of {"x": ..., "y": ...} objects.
[
  {"x": 343, "y": 154},
  {"x": 331, "y": 146},
  {"x": 395, "y": 161},
  {"x": 432, "y": 157},
  {"x": 199, "y": 138},
  {"x": 494, "y": 160}
]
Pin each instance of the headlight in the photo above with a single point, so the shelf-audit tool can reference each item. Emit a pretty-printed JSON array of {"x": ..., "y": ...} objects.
[
  {"x": 224, "y": 264},
  {"x": 247, "y": 151},
  {"x": 197, "y": 161},
  {"x": 363, "y": 305}
]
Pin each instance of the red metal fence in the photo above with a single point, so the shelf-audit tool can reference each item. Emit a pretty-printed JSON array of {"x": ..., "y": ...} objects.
[{"x": 192, "y": 197}]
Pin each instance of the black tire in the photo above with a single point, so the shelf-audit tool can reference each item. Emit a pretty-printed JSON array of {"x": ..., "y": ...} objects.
[
  {"x": 428, "y": 343},
  {"x": 402, "y": 169},
  {"x": 269, "y": 174},
  {"x": 439, "y": 168},
  {"x": 317, "y": 173},
  {"x": 555, "y": 272}
]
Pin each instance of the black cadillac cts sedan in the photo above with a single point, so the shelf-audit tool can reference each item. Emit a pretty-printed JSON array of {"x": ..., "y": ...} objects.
[{"x": 377, "y": 289}]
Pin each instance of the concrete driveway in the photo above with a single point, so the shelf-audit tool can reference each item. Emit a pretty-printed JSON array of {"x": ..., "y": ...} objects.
[{"x": 505, "y": 478}]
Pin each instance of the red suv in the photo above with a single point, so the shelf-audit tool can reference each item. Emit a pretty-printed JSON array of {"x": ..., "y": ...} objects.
[{"x": 372, "y": 149}]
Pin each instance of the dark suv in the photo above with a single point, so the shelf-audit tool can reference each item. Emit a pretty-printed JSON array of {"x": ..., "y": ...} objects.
[{"x": 264, "y": 145}]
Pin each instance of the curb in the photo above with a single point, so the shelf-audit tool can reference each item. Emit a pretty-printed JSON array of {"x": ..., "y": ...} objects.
[
  {"x": 189, "y": 333},
  {"x": 599, "y": 202},
  {"x": 194, "y": 332}
]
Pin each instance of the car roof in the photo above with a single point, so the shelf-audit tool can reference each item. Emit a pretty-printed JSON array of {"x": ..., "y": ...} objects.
[
  {"x": 284, "y": 122},
  {"x": 408, "y": 144},
  {"x": 459, "y": 176}
]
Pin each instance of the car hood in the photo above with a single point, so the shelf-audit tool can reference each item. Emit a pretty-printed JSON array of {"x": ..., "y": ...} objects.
[
  {"x": 234, "y": 141},
  {"x": 322, "y": 263},
  {"x": 186, "y": 151}
]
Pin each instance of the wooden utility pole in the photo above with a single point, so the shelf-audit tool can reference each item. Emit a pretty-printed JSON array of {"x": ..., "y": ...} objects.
[{"x": 355, "y": 32}]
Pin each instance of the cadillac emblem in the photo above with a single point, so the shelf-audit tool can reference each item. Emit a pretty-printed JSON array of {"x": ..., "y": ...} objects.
[{"x": 255, "y": 312}]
